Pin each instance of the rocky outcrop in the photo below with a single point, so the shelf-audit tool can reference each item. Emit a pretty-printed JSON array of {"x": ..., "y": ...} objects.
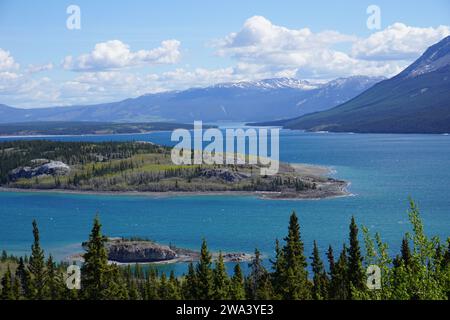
[
  {"x": 145, "y": 251},
  {"x": 127, "y": 251},
  {"x": 39, "y": 167}
]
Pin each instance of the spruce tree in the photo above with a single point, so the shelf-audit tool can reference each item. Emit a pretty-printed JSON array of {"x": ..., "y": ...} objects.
[
  {"x": 320, "y": 279},
  {"x": 53, "y": 282},
  {"x": 37, "y": 267},
  {"x": 24, "y": 277},
  {"x": 332, "y": 290},
  {"x": 220, "y": 280},
  {"x": 341, "y": 282},
  {"x": 173, "y": 287},
  {"x": 190, "y": 284},
  {"x": 16, "y": 288},
  {"x": 237, "y": 291},
  {"x": 7, "y": 292},
  {"x": 406, "y": 252},
  {"x": 295, "y": 284},
  {"x": 204, "y": 274},
  {"x": 114, "y": 286},
  {"x": 163, "y": 291},
  {"x": 152, "y": 285},
  {"x": 258, "y": 285},
  {"x": 356, "y": 273},
  {"x": 94, "y": 271},
  {"x": 278, "y": 267}
]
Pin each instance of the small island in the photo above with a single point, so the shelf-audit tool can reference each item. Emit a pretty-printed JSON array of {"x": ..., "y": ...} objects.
[
  {"x": 145, "y": 251},
  {"x": 145, "y": 168}
]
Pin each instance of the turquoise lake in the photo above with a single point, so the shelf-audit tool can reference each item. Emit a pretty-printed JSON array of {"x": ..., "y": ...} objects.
[{"x": 384, "y": 169}]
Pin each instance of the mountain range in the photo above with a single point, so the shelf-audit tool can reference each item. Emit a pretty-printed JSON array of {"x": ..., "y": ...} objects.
[
  {"x": 264, "y": 100},
  {"x": 417, "y": 100}
]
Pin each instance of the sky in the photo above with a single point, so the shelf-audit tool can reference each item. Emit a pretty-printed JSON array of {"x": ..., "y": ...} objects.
[{"x": 123, "y": 49}]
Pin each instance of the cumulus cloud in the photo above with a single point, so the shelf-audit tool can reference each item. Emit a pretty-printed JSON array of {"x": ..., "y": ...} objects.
[
  {"x": 115, "y": 54},
  {"x": 279, "y": 50},
  {"x": 398, "y": 42},
  {"x": 7, "y": 61}
]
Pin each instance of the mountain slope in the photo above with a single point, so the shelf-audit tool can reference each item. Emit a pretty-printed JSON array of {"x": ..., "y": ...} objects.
[
  {"x": 415, "y": 101},
  {"x": 243, "y": 101}
]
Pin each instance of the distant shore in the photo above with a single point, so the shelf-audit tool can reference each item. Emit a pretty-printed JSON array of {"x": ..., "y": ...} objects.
[{"x": 330, "y": 188}]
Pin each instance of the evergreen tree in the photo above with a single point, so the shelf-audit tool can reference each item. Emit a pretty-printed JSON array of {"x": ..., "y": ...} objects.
[
  {"x": 152, "y": 285},
  {"x": 37, "y": 267},
  {"x": 406, "y": 252},
  {"x": 258, "y": 285},
  {"x": 340, "y": 281},
  {"x": 278, "y": 267},
  {"x": 204, "y": 274},
  {"x": 163, "y": 291},
  {"x": 190, "y": 284},
  {"x": 320, "y": 279},
  {"x": 295, "y": 285},
  {"x": 24, "y": 277},
  {"x": 54, "y": 281},
  {"x": 237, "y": 291},
  {"x": 7, "y": 287},
  {"x": 220, "y": 280},
  {"x": 94, "y": 272},
  {"x": 356, "y": 273},
  {"x": 113, "y": 285},
  {"x": 16, "y": 288},
  {"x": 173, "y": 287}
]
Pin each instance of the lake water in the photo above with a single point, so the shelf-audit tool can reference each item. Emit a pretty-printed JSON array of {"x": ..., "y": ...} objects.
[{"x": 384, "y": 169}]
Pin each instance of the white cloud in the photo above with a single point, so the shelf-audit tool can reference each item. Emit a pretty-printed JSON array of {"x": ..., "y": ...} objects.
[
  {"x": 39, "y": 68},
  {"x": 398, "y": 42},
  {"x": 7, "y": 61},
  {"x": 260, "y": 50},
  {"x": 115, "y": 54},
  {"x": 279, "y": 50}
]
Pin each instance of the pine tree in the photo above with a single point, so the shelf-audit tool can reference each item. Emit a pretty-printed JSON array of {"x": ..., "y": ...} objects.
[
  {"x": 53, "y": 280},
  {"x": 163, "y": 288},
  {"x": 340, "y": 281},
  {"x": 173, "y": 287},
  {"x": 356, "y": 273},
  {"x": 320, "y": 279},
  {"x": 258, "y": 285},
  {"x": 295, "y": 281},
  {"x": 190, "y": 284},
  {"x": 16, "y": 288},
  {"x": 37, "y": 267},
  {"x": 220, "y": 280},
  {"x": 152, "y": 285},
  {"x": 204, "y": 274},
  {"x": 332, "y": 289},
  {"x": 278, "y": 267},
  {"x": 95, "y": 268},
  {"x": 406, "y": 252},
  {"x": 114, "y": 286},
  {"x": 237, "y": 291},
  {"x": 24, "y": 277},
  {"x": 7, "y": 288}
]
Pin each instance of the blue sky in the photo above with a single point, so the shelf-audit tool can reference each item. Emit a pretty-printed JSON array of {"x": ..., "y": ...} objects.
[{"x": 151, "y": 46}]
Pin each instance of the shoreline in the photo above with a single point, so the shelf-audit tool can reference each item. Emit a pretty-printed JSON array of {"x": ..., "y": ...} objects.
[{"x": 265, "y": 195}]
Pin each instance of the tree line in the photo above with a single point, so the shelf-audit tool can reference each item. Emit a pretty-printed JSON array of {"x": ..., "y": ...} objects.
[{"x": 421, "y": 270}]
